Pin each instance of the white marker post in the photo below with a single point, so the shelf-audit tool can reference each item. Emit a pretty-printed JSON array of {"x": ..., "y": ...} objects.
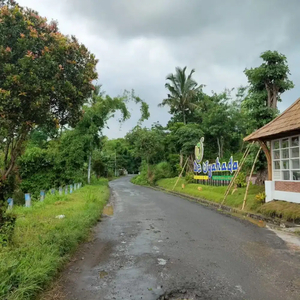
[
  {"x": 10, "y": 202},
  {"x": 42, "y": 194},
  {"x": 27, "y": 200}
]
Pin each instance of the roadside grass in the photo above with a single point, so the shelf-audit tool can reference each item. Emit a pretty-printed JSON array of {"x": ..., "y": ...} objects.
[
  {"x": 215, "y": 193},
  {"x": 276, "y": 209},
  {"x": 281, "y": 209},
  {"x": 42, "y": 243}
]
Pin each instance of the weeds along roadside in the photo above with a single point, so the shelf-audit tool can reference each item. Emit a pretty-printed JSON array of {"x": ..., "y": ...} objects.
[{"x": 42, "y": 242}]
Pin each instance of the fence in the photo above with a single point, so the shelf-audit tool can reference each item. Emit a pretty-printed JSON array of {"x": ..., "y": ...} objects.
[{"x": 68, "y": 189}]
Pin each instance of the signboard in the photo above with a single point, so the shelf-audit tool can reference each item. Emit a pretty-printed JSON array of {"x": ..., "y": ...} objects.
[
  {"x": 209, "y": 169},
  {"x": 217, "y": 177},
  {"x": 199, "y": 177}
]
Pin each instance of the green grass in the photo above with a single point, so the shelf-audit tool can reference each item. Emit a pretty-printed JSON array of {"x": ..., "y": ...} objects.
[
  {"x": 279, "y": 209},
  {"x": 215, "y": 193},
  {"x": 42, "y": 243}
]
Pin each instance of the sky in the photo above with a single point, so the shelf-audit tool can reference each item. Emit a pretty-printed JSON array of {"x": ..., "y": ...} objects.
[{"x": 138, "y": 43}]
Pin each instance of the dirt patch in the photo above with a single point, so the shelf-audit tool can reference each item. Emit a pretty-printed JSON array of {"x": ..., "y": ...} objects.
[{"x": 108, "y": 210}]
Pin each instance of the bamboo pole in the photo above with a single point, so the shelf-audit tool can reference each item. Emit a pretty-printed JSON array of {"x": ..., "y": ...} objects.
[
  {"x": 236, "y": 173},
  {"x": 180, "y": 174},
  {"x": 242, "y": 159},
  {"x": 250, "y": 176}
]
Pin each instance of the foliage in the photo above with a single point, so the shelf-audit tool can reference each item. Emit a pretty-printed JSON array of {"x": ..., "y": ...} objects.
[
  {"x": 182, "y": 90},
  {"x": 150, "y": 174},
  {"x": 189, "y": 178},
  {"x": 161, "y": 170},
  {"x": 146, "y": 144},
  {"x": 267, "y": 83},
  {"x": 260, "y": 198},
  {"x": 7, "y": 229},
  {"x": 240, "y": 180},
  {"x": 46, "y": 77},
  {"x": 41, "y": 243}
]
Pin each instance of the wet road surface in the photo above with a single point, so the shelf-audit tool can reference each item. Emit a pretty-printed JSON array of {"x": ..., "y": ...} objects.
[{"x": 155, "y": 243}]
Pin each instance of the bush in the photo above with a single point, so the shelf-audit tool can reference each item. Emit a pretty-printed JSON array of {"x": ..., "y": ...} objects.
[
  {"x": 150, "y": 174},
  {"x": 7, "y": 229},
  {"x": 260, "y": 198},
  {"x": 189, "y": 177},
  {"x": 162, "y": 170},
  {"x": 240, "y": 180}
]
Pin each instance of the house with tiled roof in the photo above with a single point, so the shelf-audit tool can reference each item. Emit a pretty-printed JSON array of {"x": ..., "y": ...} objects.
[{"x": 280, "y": 141}]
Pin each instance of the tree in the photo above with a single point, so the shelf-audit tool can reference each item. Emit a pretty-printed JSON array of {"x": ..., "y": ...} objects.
[
  {"x": 267, "y": 83},
  {"x": 182, "y": 90},
  {"x": 100, "y": 108},
  {"x": 45, "y": 79},
  {"x": 146, "y": 143}
]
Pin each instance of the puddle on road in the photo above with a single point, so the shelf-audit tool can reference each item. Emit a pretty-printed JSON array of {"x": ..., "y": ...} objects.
[
  {"x": 181, "y": 295},
  {"x": 108, "y": 210}
]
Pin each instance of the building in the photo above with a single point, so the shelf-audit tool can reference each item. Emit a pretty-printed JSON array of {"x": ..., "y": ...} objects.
[{"x": 279, "y": 140}]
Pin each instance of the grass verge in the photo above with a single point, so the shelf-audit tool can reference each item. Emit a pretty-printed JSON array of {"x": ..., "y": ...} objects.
[
  {"x": 215, "y": 193},
  {"x": 42, "y": 243},
  {"x": 285, "y": 211}
]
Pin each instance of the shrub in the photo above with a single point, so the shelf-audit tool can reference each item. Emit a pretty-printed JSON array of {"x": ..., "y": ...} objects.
[
  {"x": 150, "y": 174},
  {"x": 240, "y": 180},
  {"x": 7, "y": 228},
  {"x": 189, "y": 177},
  {"x": 260, "y": 198},
  {"x": 162, "y": 170}
]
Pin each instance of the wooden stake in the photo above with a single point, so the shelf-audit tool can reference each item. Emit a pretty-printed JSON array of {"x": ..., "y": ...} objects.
[
  {"x": 250, "y": 176},
  {"x": 236, "y": 173},
  {"x": 180, "y": 174},
  {"x": 243, "y": 157}
]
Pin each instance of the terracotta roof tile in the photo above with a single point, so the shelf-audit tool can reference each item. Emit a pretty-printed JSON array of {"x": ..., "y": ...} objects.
[{"x": 288, "y": 121}]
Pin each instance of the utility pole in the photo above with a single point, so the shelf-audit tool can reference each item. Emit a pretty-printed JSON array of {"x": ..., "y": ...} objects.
[{"x": 115, "y": 162}]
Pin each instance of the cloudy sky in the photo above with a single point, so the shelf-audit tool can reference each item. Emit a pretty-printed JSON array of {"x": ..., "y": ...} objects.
[{"x": 139, "y": 42}]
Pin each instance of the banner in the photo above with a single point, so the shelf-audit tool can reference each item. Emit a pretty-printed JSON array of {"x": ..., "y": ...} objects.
[{"x": 218, "y": 166}]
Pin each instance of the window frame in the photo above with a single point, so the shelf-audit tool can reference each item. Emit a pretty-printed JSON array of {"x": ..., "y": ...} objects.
[{"x": 281, "y": 160}]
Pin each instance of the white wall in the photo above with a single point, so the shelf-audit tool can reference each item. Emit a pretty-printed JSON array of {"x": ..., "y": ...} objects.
[{"x": 272, "y": 194}]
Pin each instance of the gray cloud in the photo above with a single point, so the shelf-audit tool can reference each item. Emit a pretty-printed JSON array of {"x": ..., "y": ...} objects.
[{"x": 139, "y": 42}]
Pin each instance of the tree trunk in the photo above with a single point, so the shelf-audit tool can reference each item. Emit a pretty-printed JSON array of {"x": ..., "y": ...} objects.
[
  {"x": 219, "y": 147},
  {"x": 2, "y": 202},
  {"x": 89, "y": 168},
  {"x": 184, "y": 118},
  {"x": 181, "y": 159}
]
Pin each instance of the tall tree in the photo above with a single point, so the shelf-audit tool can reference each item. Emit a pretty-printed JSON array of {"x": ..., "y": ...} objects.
[
  {"x": 182, "y": 90},
  {"x": 45, "y": 79},
  {"x": 267, "y": 83},
  {"x": 102, "y": 107}
]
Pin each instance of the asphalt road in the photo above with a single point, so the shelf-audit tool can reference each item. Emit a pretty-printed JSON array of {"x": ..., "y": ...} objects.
[{"x": 156, "y": 243}]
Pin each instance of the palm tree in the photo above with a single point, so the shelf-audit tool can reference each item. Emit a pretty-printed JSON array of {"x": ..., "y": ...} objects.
[{"x": 182, "y": 90}]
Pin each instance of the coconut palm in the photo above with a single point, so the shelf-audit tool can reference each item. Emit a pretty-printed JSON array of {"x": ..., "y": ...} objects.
[{"x": 182, "y": 90}]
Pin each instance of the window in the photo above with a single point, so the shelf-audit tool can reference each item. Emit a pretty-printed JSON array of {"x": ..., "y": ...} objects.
[{"x": 286, "y": 158}]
